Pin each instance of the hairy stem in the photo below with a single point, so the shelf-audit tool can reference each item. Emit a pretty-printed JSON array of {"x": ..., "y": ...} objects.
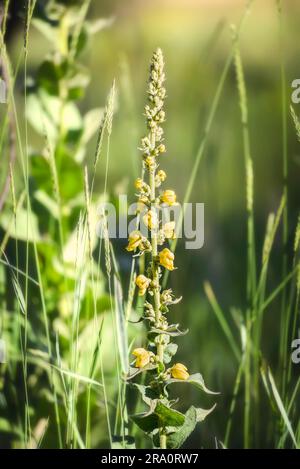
[
  {"x": 163, "y": 441},
  {"x": 156, "y": 290}
]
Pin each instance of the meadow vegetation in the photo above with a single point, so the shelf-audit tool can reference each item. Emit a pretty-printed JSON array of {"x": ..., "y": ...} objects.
[{"x": 89, "y": 328}]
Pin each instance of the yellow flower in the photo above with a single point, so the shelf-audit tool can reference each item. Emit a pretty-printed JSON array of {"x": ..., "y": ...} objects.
[
  {"x": 142, "y": 357},
  {"x": 142, "y": 283},
  {"x": 138, "y": 183},
  {"x": 150, "y": 219},
  {"x": 150, "y": 162},
  {"x": 166, "y": 259},
  {"x": 161, "y": 175},
  {"x": 169, "y": 230},
  {"x": 161, "y": 148},
  {"x": 135, "y": 239},
  {"x": 179, "y": 371},
  {"x": 168, "y": 197},
  {"x": 141, "y": 204}
]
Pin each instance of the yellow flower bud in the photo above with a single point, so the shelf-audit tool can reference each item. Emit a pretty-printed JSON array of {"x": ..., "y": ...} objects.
[
  {"x": 179, "y": 371},
  {"x": 142, "y": 357},
  {"x": 166, "y": 259},
  {"x": 162, "y": 175},
  {"x": 142, "y": 202},
  {"x": 150, "y": 219},
  {"x": 168, "y": 197},
  {"x": 138, "y": 183},
  {"x": 169, "y": 230},
  {"x": 142, "y": 283},
  {"x": 161, "y": 148},
  {"x": 135, "y": 239},
  {"x": 150, "y": 162}
]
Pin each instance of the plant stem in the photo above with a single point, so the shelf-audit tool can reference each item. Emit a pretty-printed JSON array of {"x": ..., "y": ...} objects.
[
  {"x": 156, "y": 289},
  {"x": 163, "y": 441},
  {"x": 155, "y": 268}
]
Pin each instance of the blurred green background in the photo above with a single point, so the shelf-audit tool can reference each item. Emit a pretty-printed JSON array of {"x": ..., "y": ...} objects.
[{"x": 196, "y": 40}]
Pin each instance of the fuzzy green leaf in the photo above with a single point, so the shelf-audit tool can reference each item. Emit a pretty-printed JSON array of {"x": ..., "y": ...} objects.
[
  {"x": 43, "y": 113},
  {"x": 133, "y": 372},
  {"x": 195, "y": 379},
  {"x": 25, "y": 228},
  {"x": 148, "y": 394},
  {"x": 168, "y": 417},
  {"x": 50, "y": 74},
  {"x": 172, "y": 331},
  {"x": 49, "y": 32},
  {"x": 146, "y": 422},
  {"x": 48, "y": 203},
  {"x": 97, "y": 25},
  {"x": 169, "y": 352},
  {"x": 192, "y": 417},
  {"x": 162, "y": 416}
]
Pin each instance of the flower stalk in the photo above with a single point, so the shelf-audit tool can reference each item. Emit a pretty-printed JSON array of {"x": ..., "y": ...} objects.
[
  {"x": 157, "y": 63},
  {"x": 160, "y": 349}
]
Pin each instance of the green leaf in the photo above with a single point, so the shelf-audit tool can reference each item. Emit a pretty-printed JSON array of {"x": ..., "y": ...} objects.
[
  {"x": 49, "y": 32},
  {"x": 77, "y": 83},
  {"x": 168, "y": 417},
  {"x": 50, "y": 74},
  {"x": 94, "y": 26},
  {"x": 203, "y": 413},
  {"x": 169, "y": 352},
  {"x": 133, "y": 372},
  {"x": 192, "y": 417},
  {"x": 173, "y": 331},
  {"x": 195, "y": 379},
  {"x": 71, "y": 117},
  {"x": 148, "y": 394},
  {"x": 146, "y": 422},
  {"x": 162, "y": 416},
  {"x": 81, "y": 41},
  {"x": 40, "y": 112},
  {"x": 25, "y": 228},
  {"x": 70, "y": 178},
  {"x": 8, "y": 427},
  {"x": 43, "y": 112},
  {"x": 40, "y": 170},
  {"x": 44, "y": 199}
]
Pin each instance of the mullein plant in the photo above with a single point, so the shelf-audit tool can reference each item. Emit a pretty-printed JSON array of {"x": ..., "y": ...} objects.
[{"x": 167, "y": 427}]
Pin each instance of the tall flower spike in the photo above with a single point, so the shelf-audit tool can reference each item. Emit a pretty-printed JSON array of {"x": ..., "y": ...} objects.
[
  {"x": 159, "y": 350},
  {"x": 152, "y": 144}
]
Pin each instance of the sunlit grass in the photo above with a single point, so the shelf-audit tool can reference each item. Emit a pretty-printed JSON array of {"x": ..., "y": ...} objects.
[{"x": 65, "y": 306}]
